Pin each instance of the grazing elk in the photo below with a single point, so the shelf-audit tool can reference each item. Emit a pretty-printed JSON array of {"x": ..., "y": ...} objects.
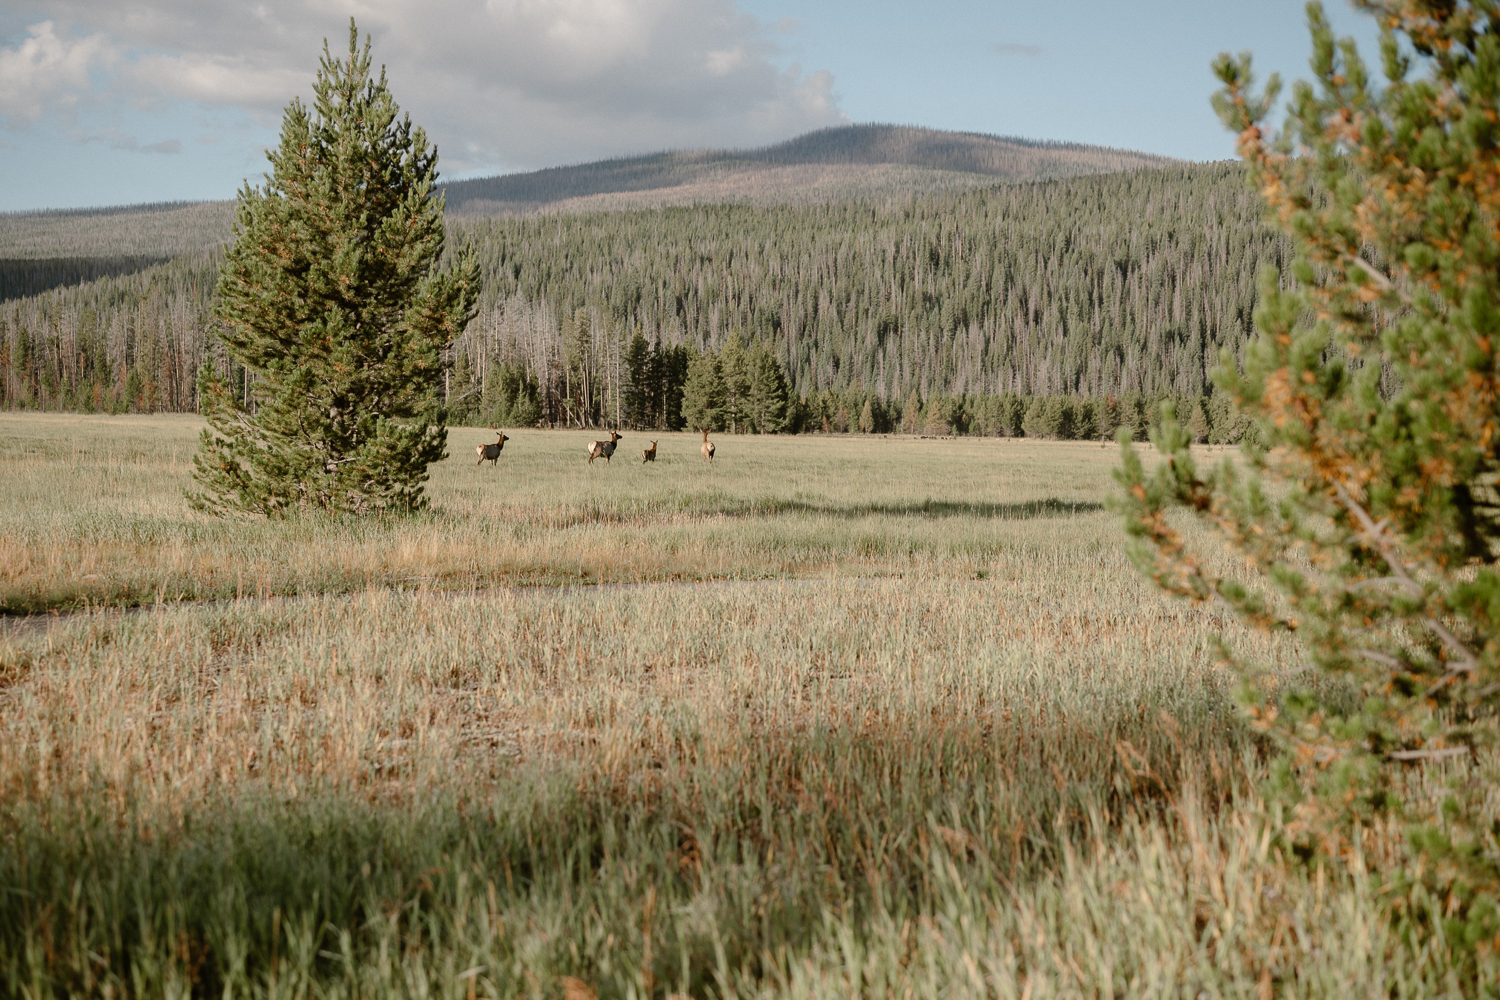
[
  {"x": 708, "y": 448},
  {"x": 491, "y": 451},
  {"x": 649, "y": 454},
  {"x": 604, "y": 449}
]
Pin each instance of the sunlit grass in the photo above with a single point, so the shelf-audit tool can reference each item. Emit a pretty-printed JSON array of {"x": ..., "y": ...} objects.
[
  {"x": 92, "y": 512},
  {"x": 834, "y": 717}
]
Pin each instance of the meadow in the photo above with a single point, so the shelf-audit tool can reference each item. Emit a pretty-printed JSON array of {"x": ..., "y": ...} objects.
[
  {"x": 87, "y": 520},
  {"x": 836, "y": 716}
]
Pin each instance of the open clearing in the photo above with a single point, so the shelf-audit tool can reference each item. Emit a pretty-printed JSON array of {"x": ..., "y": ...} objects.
[
  {"x": 92, "y": 513},
  {"x": 850, "y": 717}
]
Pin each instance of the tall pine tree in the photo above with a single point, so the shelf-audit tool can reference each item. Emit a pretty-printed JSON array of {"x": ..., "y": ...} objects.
[
  {"x": 703, "y": 395},
  {"x": 331, "y": 297},
  {"x": 1367, "y": 504},
  {"x": 769, "y": 395},
  {"x": 642, "y": 378}
]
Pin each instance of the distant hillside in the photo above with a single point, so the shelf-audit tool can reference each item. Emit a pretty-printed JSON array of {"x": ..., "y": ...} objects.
[
  {"x": 40, "y": 251},
  {"x": 1100, "y": 286},
  {"x": 49, "y": 249},
  {"x": 1040, "y": 283},
  {"x": 830, "y": 164},
  {"x": 141, "y": 231}
]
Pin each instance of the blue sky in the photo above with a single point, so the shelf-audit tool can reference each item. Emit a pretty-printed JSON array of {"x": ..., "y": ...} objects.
[
  {"x": 1127, "y": 73},
  {"x": 161, "y": 100}
]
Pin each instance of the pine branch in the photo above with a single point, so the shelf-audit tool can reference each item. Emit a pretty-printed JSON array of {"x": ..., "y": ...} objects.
[{"x": 1376, "y": 535}]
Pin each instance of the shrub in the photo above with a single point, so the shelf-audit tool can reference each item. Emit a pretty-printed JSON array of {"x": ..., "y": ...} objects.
[
  {"x": 1368, "y": 499},
  {"x": 331, "y": 297}
]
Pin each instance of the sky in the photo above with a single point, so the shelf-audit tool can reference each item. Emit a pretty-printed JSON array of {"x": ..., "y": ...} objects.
[{"x": 114, "y": 102}]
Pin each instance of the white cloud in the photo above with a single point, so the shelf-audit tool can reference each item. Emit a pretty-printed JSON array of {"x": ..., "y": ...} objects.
[
  {"x": 725, "y": 61},
  {"x": 119, "y": 139},
  {"x": 47, "y": 69},
  {"x": 1015, "y": 49},
  {"x": 213, "y": 79},
  {"x": 507, "y": 84}
]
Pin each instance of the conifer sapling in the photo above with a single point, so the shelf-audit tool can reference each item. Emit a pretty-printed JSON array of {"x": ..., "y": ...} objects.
[
  {"x": 1365, "y": 510},
  {"x": 332, "y": 297}
]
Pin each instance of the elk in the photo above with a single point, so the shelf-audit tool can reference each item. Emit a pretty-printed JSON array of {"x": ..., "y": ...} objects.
[
  {"x": 708, "y": 448},
  {"x": 649, "y": 454},
  {"x": 604, "y": 449},
  {"x": 491, "y": 451}
]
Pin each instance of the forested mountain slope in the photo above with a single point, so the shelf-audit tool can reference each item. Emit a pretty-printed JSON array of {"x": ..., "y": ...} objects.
[
  {"x": 40, "y": 251},
  {"x": 849, "y": 161},
  {"x": 841, "y": 163},
  {"x": 162, "y": 231},
  {"x": 1090, "y": 286}
]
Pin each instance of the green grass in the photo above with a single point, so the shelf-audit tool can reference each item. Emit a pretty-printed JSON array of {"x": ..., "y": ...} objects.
[
  {"x": 92, "y": 513},
  {"x": 848, "y": 717}
]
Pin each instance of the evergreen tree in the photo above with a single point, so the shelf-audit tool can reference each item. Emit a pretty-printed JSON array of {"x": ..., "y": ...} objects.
[
  {"x": 867, "y": 418},
  {"x": 1137, "y": 415},
  {"x": 671, "y": 365},
  {"x": 526, "y": 402},
  {"x": 493, "y": 409},
  {"x": 1012, "y": 413},
  {"x": 911, "y": 413},
  {"x": 703, "y": 395},
  {"x": 734, "y": 370},
  {"x": 579, "y": 361},
  {"x": 463, "y": 394},
  {"x": 1222, "y": 417},
  {"x": 1084, "y": 416},
  {"x": 937, "y": 418},
  {"x": 133, "y": 387},
  {"x": 331, "y": 298},
  {"x": 1198, "y": 424},
  {"x": 1041, "y": 418},
  {"x": 1107, "y": 417},
  {"x": 1065, "y": 414},
  {"x": 511, "y": 397},
  {"x": 642, "y": 381},
  {"x": 768, "y": 396},
  {"x": 1370, "y": 503}
]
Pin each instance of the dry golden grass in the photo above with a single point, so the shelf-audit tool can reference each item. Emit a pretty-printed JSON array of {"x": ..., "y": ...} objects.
[
  {"x": 893, "y": 580},
  {"x": 918, "y": 731},
  {"x": 92, "y": 513},
  {"x": 390, "y": 691}
]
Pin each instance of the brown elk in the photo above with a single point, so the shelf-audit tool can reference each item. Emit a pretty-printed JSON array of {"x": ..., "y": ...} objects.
[
  {"x": 649, "y": 454},
  {"x": 491, "y": 451},
  {"x": 708, "y": 448},
  {"x": 604, "y": 449}
]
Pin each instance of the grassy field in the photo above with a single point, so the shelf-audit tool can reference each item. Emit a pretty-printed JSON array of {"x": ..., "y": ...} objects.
[
  {"x": 92, "y": 514},
  {"x": 832, "y": 717}
]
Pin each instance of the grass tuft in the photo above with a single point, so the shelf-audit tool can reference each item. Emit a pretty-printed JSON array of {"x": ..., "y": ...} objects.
[{"x": 833, "y": 717}]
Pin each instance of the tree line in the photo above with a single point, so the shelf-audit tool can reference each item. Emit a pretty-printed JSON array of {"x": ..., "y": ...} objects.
[
  {"x": 1112, "y": 287},
  {"x": 132, "y": 341},
  {"x": 743, "y": 389}
]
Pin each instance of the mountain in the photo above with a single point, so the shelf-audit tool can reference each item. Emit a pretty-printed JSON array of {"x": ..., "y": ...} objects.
[
  {"x": 43, "y": 250},
  {"x": 133, "y": 231},
  {"x": 832, "y": 164},
  {"x": 40, "y": 251},
  {"x": 843, "y": 163},
  {"x": 1101, "y": 286},
  {"x": 874, "y": 262}
]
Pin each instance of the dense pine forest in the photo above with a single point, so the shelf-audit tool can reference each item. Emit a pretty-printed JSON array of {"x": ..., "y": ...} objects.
[{"x": 1072, "y": 302}]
